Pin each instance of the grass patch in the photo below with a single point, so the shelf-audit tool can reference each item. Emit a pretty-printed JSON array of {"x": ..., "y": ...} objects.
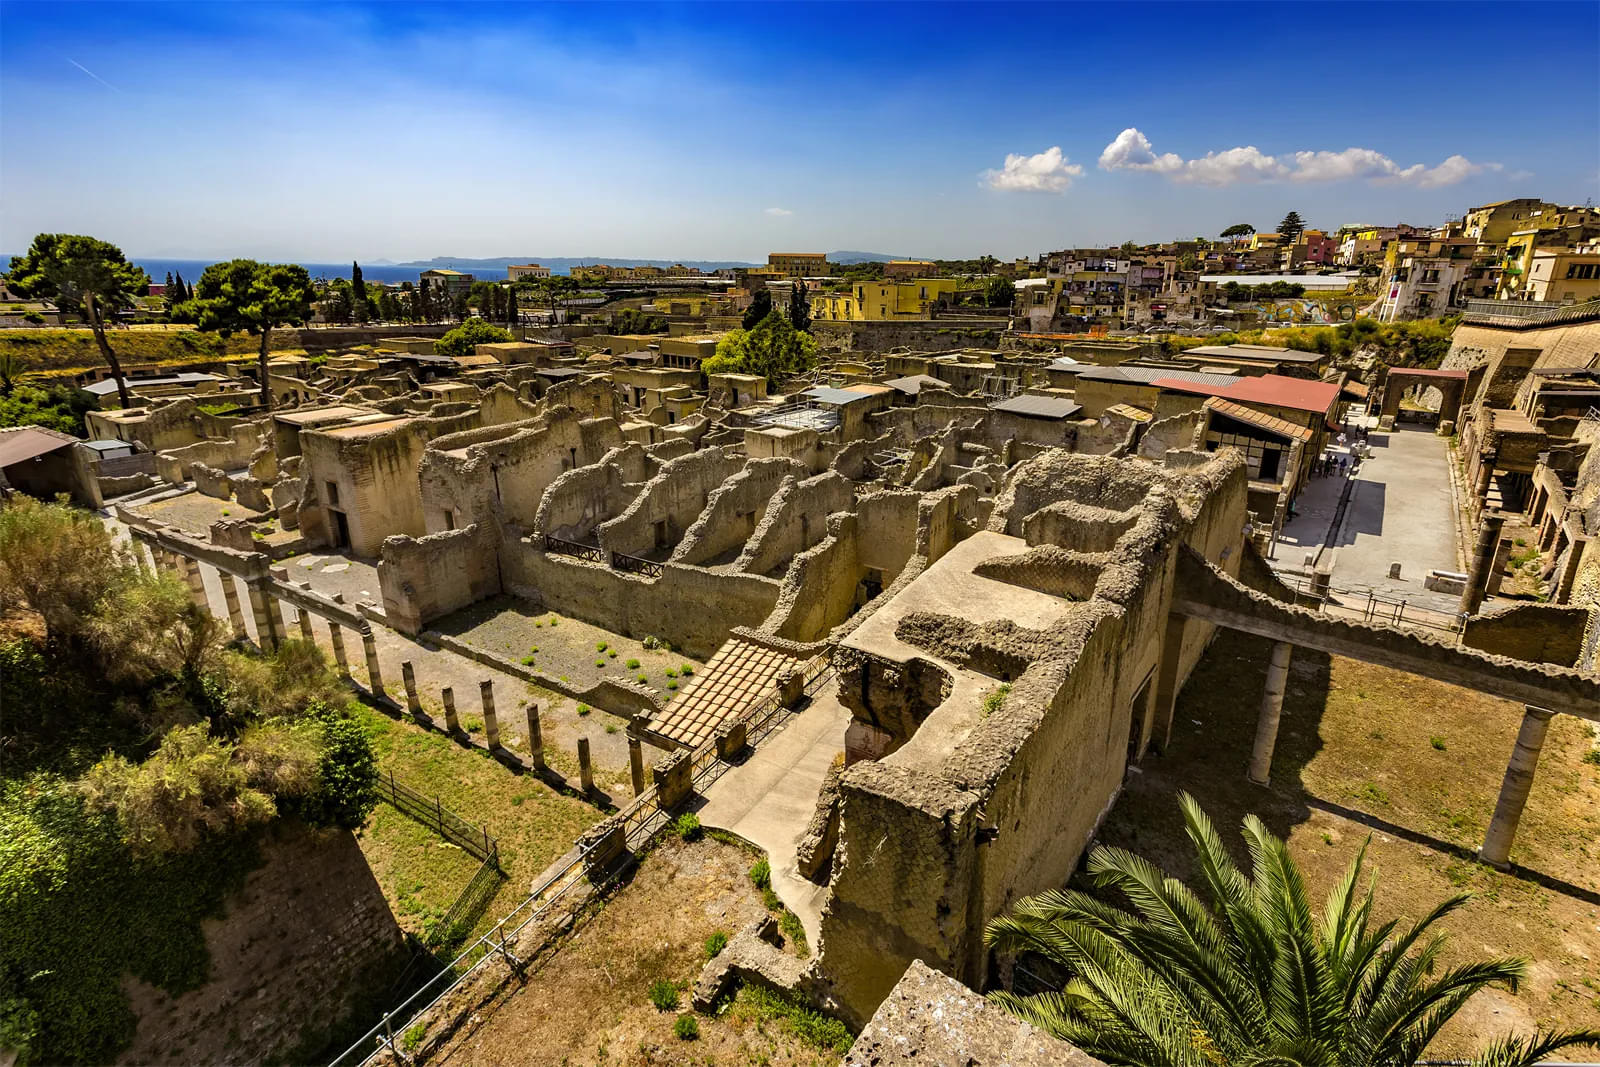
[
  {"x": 761, "y": 874},
  {"x": 420, "y": 873},
  {"x": 759, "y": 1004},
  {"x": 664, "y": 994},
  {"x": 996, "y": 699},
  {"x": 715, "y": 944}
]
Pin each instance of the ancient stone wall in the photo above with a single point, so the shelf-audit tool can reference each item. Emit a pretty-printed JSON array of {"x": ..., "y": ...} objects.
[
  {"x": 929, "y": 335},
  {"x": 735, "y": 510},
  {"x": 580, "y": 500},
  {"x": 796, "y": 519},
  {"x": 230, "y": 453},
  {"x": 819, "y": 588},
  {"x": 305, "y": 943},
  {"x": 423, "y": 578},
  {"x": 1539, "y": 633},
  {"x": 668, "y": 504}
]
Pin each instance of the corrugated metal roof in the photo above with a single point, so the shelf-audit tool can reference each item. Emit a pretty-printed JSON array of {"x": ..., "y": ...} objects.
[
  {"x": 914, "y": 383},
  {"x": 109, "y": 385},
  {"x": 29, "y": 442},
  {"x": 1252, "y": 417},
  {"x": 1258, "y": 353},
  {"x": 837, "y": 397},
  {"x": 1278, "y": 391},
  {"x": 1038, "y": 407},
  {"x": 1151, "y": 375}
]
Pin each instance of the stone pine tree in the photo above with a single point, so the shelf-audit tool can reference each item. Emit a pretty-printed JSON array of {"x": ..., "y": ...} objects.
[
  {"x": 244, "y": 296},
  {"x": 1292, "y": 226},
  {"x": 1239, "y": 229},
  {"x": 85, "y": 275},
  {"x": 359, "y": 307},
  {"x": 760, "y": 307}
]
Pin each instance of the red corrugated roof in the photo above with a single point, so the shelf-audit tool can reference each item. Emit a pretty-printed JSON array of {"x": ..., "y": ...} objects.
[
  {"x": 1276, "y": 390},
  {"x": 1178, "y": 385}
]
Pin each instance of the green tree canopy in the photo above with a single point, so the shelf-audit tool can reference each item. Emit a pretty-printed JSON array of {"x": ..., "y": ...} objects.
[
  {"x": 246, "y": 296},
  {"x": 760, "y": 307},
  {"x": 464, "y": 339},
  {"x": 1239, "y": 229},
  {"x": 1246, "y": 974},
  {"x": 83, "y": 275},
  {"x": 999, "y": 292},
  {"x": 800, "y": 306},
  {"x": 1292, "y": 226},
  {"x": 774, "y": 349}
]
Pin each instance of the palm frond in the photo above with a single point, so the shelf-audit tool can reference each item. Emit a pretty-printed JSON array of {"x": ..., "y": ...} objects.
[{"x": 1517, "y": 1051}]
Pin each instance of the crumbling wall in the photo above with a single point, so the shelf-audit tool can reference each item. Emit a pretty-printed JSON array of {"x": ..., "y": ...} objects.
[
  {"x": 580, "y": 500},
  {"x": 423, "y": 578},
  {"x": 1538, "y": 633},
  {"x": 735, "y": 510},
  {"x": 692, "y": 608},
  {"x": 231, "y": 453},
  {"x": 795, "y": 520},
  {"x": 376, "y": 482},
  {"x": 668, "y": 504},
  {"x": 821, "y": 585}
]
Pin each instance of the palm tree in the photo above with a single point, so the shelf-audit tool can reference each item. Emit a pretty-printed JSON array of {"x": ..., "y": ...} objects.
[{"x": 1253, "y": 978}]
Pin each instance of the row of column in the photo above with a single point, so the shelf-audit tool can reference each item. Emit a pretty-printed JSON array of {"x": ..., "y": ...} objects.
[{"x": 1514, "y": 787}]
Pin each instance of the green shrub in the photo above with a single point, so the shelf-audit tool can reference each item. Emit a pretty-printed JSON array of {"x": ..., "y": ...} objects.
[
  {"x": 664, "y": 994},
  {"x": 789, "y": 923},
  {"x": 687, "y": 826},
  {"x": 761, "y": 874},
  {"x": 527, "y": 661},
  {"x": 600, "y": 647},
  {"x": 996, "y": 699},
  {"x": 633, "y": 664},
  {"x": 771, "y": 900},
  {"x": 1437, "y": 742},
  {"x": 686, "y": 670},
  {"x": 715, "y": 944},
  {"x": 611, "y": 653},
  {"x": 601, "y": 662},
  {"x": 687, "y": 1028},
  {"x": 671, "y": 673},
  {"x": 641, "y": 678},
  {"x": 803, "y": 1021},
  {"x": 672, "y": 685},
  {"x": 584, "y": 709}
]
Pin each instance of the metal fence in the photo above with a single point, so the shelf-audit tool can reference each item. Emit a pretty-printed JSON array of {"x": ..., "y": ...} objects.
[
  {"x": 561, "y": 546},
  {"x": 469, "y": 905},
  {"x": 635, "y": 564},
  {"x": 430, "y": 812},
  {"x": 1369, "y": 607},
  {"x": 565, "y": 890}
]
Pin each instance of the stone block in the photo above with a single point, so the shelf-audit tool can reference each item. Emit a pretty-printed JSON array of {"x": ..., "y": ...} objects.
[
  {"x": 673, "y": 780},
  {"x": 731, "y": 740},
  {"x": 603, "y": 844}
]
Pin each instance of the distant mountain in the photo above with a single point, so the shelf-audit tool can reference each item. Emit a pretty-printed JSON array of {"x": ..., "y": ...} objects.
[
  {"x": 850, "y": 258},
  {"x": 562, "y": 264}
]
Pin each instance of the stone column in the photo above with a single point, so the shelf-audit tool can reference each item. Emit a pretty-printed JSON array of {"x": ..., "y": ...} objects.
[
  {"x": 230, "y": 597},
  {"x": 1482, "y": 562},
  {"x": 1167, "y": 681},
  {"x": 374, "y": 671},
  {"x": 491, "y": 725},
  {"x": 1496, "y": 850},
  {"x": 266, "y": 622},
  {"x": 413, "y": 702},
  {"x": 336, "y": 636},
  {"x": 535, "y": 738},
  {"x": 197, "y": 584},
  {"x": 451, "y": 722},
  {"x": 585, "y": 766},
  {"x": 1271, "y": 712},
  {"x": 283, "y": 610},
  {"x": 306, "y": 633},
  {"x": 636, "y": 764}
]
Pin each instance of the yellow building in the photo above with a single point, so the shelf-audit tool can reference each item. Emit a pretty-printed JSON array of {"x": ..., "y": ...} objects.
[
  {"x": 1564, "y": 275},
  {"x": 519, "y": 271},
  {"x": 900, "y": 269},
  {"x": 888, "y": 300},
  {"x": 798, "y": 264}
]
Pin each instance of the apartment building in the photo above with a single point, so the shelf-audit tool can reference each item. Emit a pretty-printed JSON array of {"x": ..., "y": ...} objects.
[
  {"x": 1422, "y": 276},
  {"x": 798, "y": 264},
  {"x": 450, "y": 281},
  {"x": 527, "y": 272}
]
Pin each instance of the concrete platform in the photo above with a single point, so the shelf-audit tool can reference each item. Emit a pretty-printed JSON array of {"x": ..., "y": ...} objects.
[{"x": 768, "y": 800}]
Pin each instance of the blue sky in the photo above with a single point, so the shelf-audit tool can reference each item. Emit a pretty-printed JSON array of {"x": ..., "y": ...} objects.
[{"x": 724, "y": 131}]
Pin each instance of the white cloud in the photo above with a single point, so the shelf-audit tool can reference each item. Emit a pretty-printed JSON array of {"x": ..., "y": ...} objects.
[
  {"x": 1234, "y": 166},
  {"x": 1047, "y": 172},
  {"x": 778, "y": 212}
]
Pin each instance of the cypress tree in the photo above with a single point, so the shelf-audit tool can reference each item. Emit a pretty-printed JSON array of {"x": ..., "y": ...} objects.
[{"x": 358, "y": 292}]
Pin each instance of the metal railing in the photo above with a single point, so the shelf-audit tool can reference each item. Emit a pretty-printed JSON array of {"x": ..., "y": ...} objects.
[
  {"x": 561, "y": 546},
  {"x": 566, "y": 889},
  {"x": 469, "y": 905},
  {"x": 432, "y": 813},
  {"x": 635, "y": 564},
  {"x": 1528, "y": 312},
  {"x": 1373, "y": 608}
]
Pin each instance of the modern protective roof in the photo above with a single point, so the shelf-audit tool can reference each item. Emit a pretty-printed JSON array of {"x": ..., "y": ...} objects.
[
  {"x": 1251, "y": 417},
  {"x": 107, "y": 386},
  {"x": 30, "y": 442},
  {"x": 1434, "y": 372},
  {"x": 1153, "y": 375},
  {"x": 1258, "y": 352},
  {"x": 1038, "y": 407},
  {"x": 913, "y": 384},
  {"x": 837, "y": 397},
  {"x": 1275, "y": 390},
  {"x": 107, "y": 444}
]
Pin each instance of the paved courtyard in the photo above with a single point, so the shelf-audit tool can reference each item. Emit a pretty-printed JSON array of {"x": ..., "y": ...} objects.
[{"x": 1400, "y": 510}]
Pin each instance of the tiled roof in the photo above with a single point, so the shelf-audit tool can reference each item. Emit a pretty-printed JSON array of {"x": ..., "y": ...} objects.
[
  {"x": 1252, "y": 417},
  {"x": 737, "y": 677}
]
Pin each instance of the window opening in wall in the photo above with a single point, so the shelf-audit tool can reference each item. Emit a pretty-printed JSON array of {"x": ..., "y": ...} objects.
[
  {"x": 1141, "y": 704},
  {"x": 661, "y": 533},
  {"x": 449, "y": 519},
  {"x": 332, "y": 492}
]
